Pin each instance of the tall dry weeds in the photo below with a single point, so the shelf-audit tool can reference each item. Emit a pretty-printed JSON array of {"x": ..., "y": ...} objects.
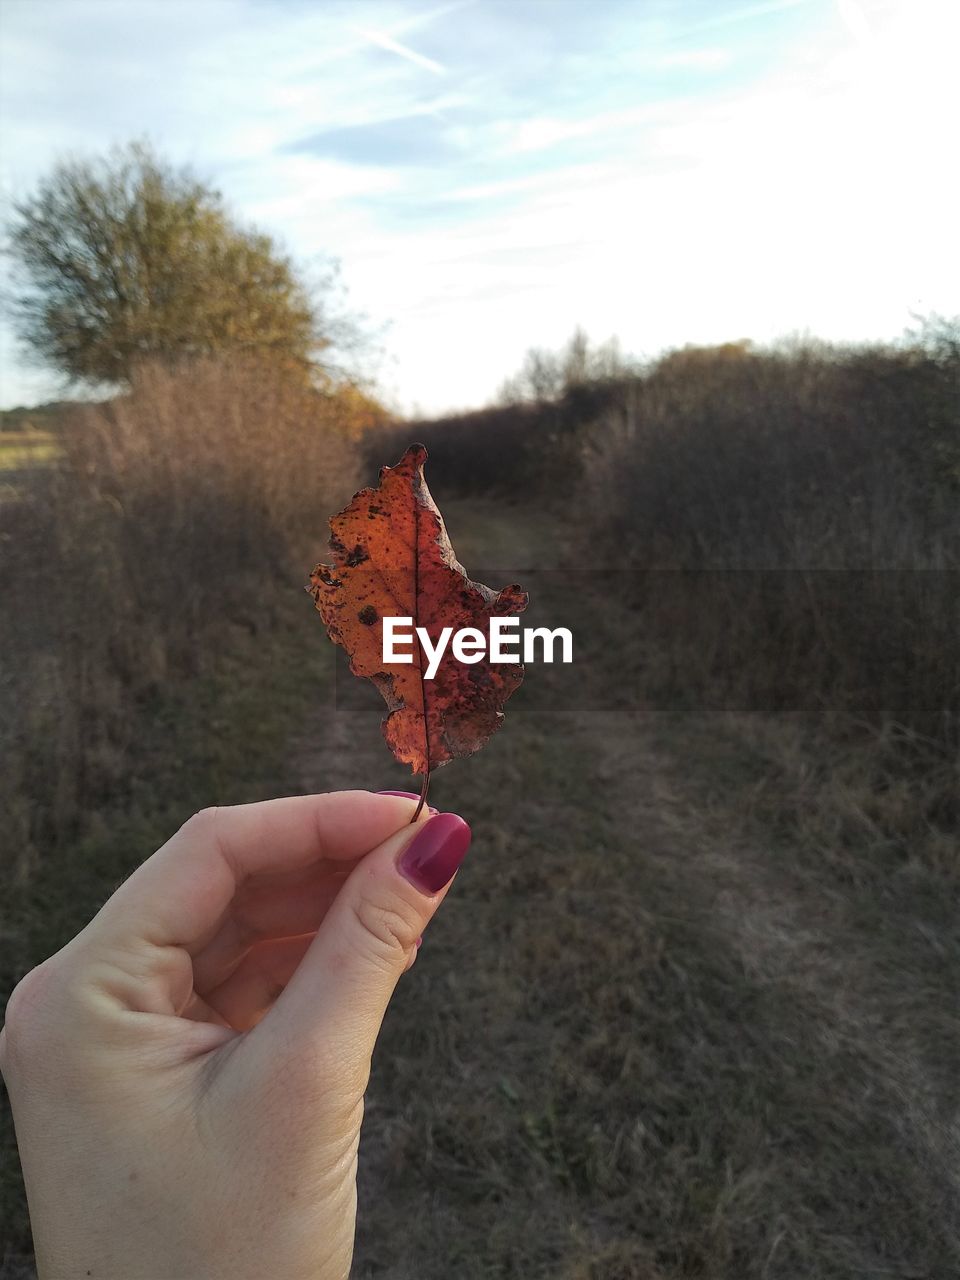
[
  {"x": 794, "y": 537},
  {"x": 174, "y": 514}
]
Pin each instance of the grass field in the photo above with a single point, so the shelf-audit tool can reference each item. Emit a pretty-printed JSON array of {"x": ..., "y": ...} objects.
[
  {"x": 686, "y": 1012},
  {"x": 26, "y": 449}
]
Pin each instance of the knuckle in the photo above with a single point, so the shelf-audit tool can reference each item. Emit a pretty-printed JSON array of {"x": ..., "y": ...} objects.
[
  {"x": 203, "y": 830},
  {"x": 203, "y": 822},
  {"x": 391, "y": 927}
]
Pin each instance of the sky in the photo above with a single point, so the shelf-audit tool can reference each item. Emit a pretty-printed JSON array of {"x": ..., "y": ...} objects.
[{"x": 491, "y": 174}]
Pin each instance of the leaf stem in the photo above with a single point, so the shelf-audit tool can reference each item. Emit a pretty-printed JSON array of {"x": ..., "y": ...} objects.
[
  {"x": 416, "y": 623},
  {"x": 423, "y": 794}
]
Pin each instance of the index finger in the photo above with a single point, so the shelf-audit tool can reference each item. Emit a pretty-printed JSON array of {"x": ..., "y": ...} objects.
[{"x": 180, "y": 895}]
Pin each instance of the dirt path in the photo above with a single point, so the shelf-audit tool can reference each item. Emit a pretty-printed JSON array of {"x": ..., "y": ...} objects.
[{"x": 650, "y": 1036}]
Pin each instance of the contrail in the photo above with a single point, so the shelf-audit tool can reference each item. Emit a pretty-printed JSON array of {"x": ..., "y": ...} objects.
[{"x": 383, "y": 41}]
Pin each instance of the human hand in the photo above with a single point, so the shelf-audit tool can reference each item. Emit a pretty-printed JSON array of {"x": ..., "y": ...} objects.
[{"x": 187, "y": 1074}]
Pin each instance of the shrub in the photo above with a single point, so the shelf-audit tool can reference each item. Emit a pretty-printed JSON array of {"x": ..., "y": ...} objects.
[
  {"x": 519, "y": 450},
  {"x": 794, "y": 529}
]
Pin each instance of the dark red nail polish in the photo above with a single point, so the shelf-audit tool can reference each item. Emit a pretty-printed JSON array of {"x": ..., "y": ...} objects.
[
  {"x": 419, "y": 942},
  {"x": 435, "y": 852}
]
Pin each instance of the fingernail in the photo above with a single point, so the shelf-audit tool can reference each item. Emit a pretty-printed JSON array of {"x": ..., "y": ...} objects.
[
  {"x": 408, "y": 795},
  {"x": 419, "y": 942},
  {"x": 435, "y": 852}
]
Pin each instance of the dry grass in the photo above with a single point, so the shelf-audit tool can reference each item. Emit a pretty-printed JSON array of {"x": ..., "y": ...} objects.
[
  {"x": 20, "y": 449},
  {"x": 794, "y": 531},
  {"x": 169, "y": 520},
  {"x": 688, "y": 1010},
  {"x": 155, "y": 633},
  {"x": 220, "y": 737}
]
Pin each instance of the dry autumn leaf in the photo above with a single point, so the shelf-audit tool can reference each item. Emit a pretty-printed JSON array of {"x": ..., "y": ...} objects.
[{"x": 391, "y": 557}]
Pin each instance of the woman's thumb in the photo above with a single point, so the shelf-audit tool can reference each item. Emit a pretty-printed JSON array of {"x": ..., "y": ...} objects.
[{"x": 339, "y": 994}]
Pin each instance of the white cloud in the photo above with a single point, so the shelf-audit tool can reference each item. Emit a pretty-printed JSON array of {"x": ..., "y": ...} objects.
[
  {"x": 748, "y": 13},
  {"x": 821, "y": 200},
  {"x": 696, "y": 59},
  {"x": 539, "y": 132},
  {"x": 818, "y": 195}
]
